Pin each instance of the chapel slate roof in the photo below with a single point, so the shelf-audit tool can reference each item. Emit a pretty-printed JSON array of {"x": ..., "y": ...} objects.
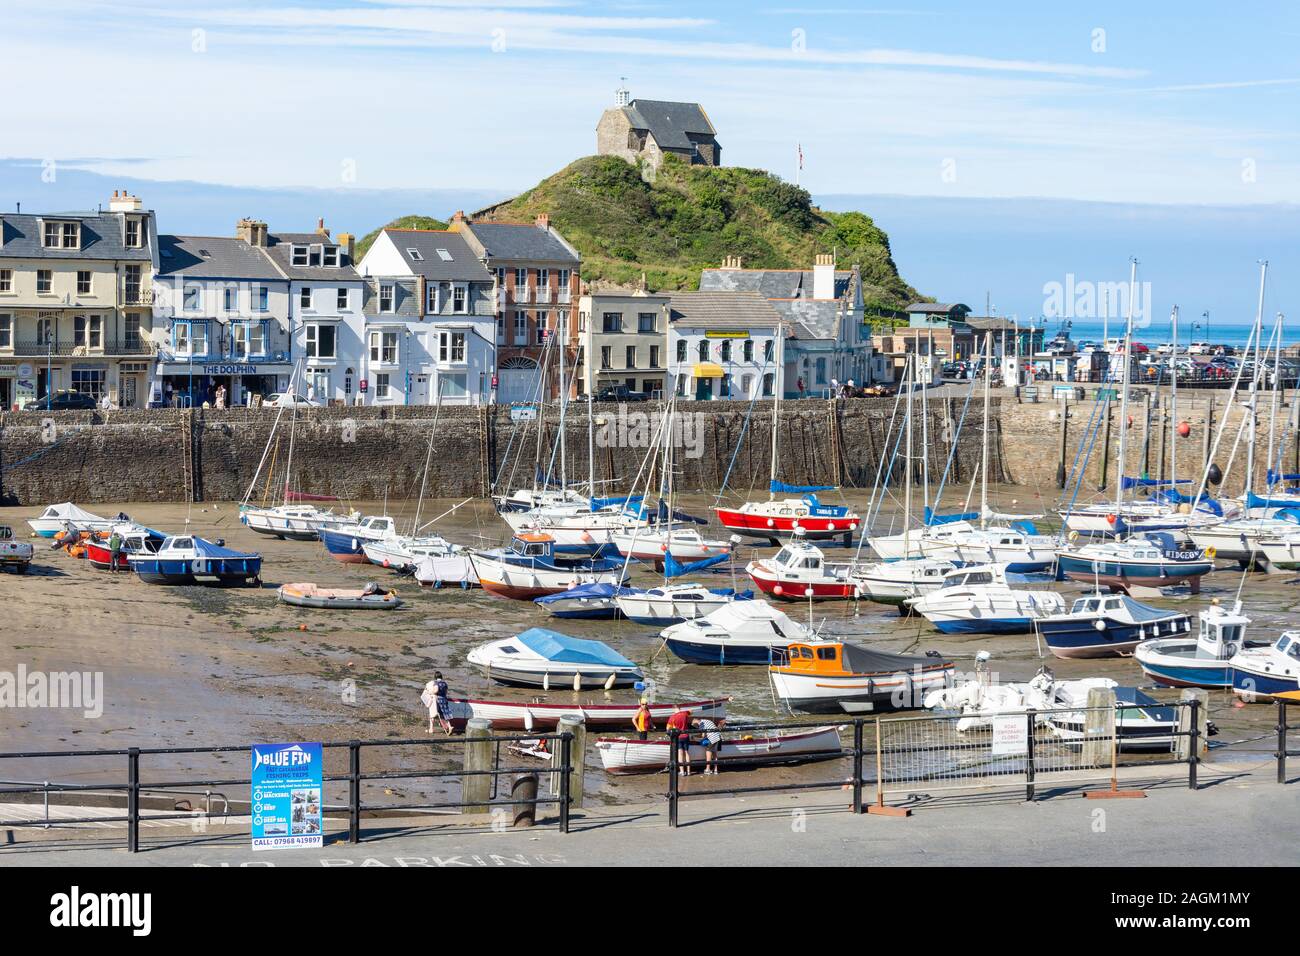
[
  {"x": 722, "y": 310},
  {"x": 669, "y": 122}
]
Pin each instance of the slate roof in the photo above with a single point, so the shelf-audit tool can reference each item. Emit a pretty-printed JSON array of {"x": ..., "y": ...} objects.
[
  {"x": 512, "y": 240},
  {"x": 790, "y": 292},
  {"x": 722, "y": 310},
  {"x": 669, "y": 122},
  {"x": 464, "y": 265},
  {"x": 933, "y": 308},
  {"x": 101, "y": 236},
  {"x": 279, "y": 246},
  {"x": 226, "y": 258}
]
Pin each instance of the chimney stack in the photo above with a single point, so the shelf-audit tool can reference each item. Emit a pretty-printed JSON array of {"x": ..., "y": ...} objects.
[
  {"x": 348, "y": 242},
  {"x": 123, "y": 201},
  {"x": 731, "y": 262},
  {"x": 824, "y": 276},
  {"x": 320, "y": 227},
  {"x": 457, "y": 221},
  {"x": 252, "y": 231},
  {"x": 543, "y": 221}
]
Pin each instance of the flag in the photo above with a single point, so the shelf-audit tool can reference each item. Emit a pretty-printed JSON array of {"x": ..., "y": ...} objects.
[{"x": 799, "y": 147}]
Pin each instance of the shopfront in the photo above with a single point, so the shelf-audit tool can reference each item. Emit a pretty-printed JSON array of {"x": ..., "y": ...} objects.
[{"x": 186, "y": 384}]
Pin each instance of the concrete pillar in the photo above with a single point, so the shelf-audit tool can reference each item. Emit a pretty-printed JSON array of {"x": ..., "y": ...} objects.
[
  {"x": 478, "y": 756},
  {"x": 576, "y": 725},
  {"x": 1098, "y": 728},
  {"x": 1183, "y": 744}
]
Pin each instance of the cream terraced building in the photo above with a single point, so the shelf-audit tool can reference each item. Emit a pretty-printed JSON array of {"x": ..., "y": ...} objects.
[{"x": 76, "y": 292}]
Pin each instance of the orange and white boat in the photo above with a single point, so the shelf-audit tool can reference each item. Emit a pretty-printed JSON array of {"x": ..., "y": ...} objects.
[{"x": 830, "y": 678}]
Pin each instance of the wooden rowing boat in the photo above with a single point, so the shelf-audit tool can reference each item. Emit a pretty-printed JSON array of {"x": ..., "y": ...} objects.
[{"x": 630, "y": 755}]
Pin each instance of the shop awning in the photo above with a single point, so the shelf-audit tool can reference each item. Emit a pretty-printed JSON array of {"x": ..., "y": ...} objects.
[{"x": 707, "y": 370}]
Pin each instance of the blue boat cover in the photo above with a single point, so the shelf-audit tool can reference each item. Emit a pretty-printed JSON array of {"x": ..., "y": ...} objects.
[
  {"x": 674, "y": 568},
  {"x": 777, "y": 487},
  {"x": 599, "y": 503},
  {"x": 570, "y": 650},
  {"x": 207, "y": 549},
  {"x": 1126, "y": 482},
  {"x": 819, "y": 510},
  {"x": 1025, "y": 527},
  {"x": 932, "y": 518},
  {"x": 1274, "y": 477},
  {"x": 1255, "y": 501},
  {"x": 746, "y": 595},
  {"x": 593, "y": 590},
  {"x": 1176, "y": 497},
  {"x": 1288, "y": 514}
]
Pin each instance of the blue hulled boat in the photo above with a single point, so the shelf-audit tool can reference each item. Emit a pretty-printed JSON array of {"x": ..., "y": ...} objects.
[
  {"x": 346, "y": 542},
  {"x": 586, "y": 602},
  {"x": 185, "y": 559},
  {"x": 1109, "y": 625},
  {"x": 1264, "y": 671},
  {"x": 1203, "y": 662},
  {"x": 1153, "y": 560}
]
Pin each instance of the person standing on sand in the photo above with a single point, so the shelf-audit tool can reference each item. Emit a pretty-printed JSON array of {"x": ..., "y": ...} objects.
[
  {"x": 642, "y": 720},
  {"x": 114, "y": 550},
  {"x": 680, "y": 720},
  {"x": 435, "y": 698}
]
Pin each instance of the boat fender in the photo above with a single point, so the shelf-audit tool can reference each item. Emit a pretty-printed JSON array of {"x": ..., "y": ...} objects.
[
  {"x": 1099, "y": 625},
  {"x": 1210, "y": 552},
  {"x": 577, "y": 681},
  {"x": 546, "y": 681},
  {"x": 830, "y": 525},
  {"x": 771, "y": 523},
  {"x": 609, "y": 682},
  {"x": 354, "y": 545},
  {"x": 778, "y": 590},
  {"x": 853, "y": 526}
]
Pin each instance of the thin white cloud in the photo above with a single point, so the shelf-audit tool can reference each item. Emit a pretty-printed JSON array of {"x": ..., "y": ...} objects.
[{"x": 1224, "y": 85}]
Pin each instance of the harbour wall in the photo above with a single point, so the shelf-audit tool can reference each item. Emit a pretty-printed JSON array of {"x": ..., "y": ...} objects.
[
  {"x": 371, "y": 453},
  {"x": 367, "y": 453}
]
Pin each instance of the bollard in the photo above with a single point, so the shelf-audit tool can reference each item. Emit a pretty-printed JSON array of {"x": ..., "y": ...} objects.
[
  {"x": 1281, "y": 739},
  {"x": 476, "y": 788},
  {"x": 574, "y": 724},
  {"x": 1099, "y": 728},
  {"x": 1193, "y": 719},
  {"x": 524, "y": 794}
]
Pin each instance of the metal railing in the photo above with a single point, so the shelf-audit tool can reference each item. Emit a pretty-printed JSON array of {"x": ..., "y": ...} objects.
[
  {"x": 132, "y": 787},
  {"x": 111, "y": 345},
  {"x": 1282, "y": 741}
]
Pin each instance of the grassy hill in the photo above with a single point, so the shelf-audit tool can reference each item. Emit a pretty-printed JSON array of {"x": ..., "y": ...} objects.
[{"x": 691, "y": 217}]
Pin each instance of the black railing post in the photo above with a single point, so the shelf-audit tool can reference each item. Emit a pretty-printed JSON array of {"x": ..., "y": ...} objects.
[
  {"x": 1281, "y": 741},
  {"x": 133, "y": 800},
  {"x": 857, "y": 765},
  {"x": 673, "y": 733},
  {"x": 1194, "y": 752},
  {"x": 566, "y": 768},
  {"x": 354, "y": 791},
  {"x": 1029, "y": 755}
]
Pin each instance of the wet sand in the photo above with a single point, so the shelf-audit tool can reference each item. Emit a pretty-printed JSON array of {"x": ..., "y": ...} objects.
[{"x": 203, "y": 666}]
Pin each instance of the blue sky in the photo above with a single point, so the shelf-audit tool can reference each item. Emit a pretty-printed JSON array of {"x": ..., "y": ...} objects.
[{"x": 346, "y": 105}]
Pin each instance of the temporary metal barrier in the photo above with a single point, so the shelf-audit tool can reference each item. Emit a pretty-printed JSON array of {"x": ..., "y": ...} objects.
[
  {"x": 1282, "y": 742},
  {"x": 354, "y": 778},
  {"x": 955, "y": 752},
  {"x": 740, "y": 736}
]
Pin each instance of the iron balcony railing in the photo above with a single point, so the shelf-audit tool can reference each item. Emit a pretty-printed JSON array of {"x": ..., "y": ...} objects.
[{"x": 64, "y": 348}]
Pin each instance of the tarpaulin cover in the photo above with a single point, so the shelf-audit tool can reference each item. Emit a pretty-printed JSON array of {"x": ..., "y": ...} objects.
[
  {"x": 563, "y": 649},
  {"x": 932, "y": 518},
  {"x": 1126, "y": 482},
  {"x": 595, "y": 590},
  {"x": 860, "y": 660},
  {"x": 780, "y": 487},
  {"x": 673, "y": 568}
]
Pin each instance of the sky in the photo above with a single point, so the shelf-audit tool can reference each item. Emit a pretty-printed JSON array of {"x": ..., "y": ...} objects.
[{"x": 1170, "y": 128}]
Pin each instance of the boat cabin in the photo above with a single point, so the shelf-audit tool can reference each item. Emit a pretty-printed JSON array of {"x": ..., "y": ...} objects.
[
  {"x": 798, "y": 557},
  {"x": 533, "y": 545},
  {"x": 1222, "y": 632},
  {"x": 816, "y": 659},
  {"x": 977, "y": 576},
  {"x": 1289, "y": 644},
  {"x": 818, "y": 510},
  {"x": 378, "y": 525},
  {"x": 6, "y": 533}
]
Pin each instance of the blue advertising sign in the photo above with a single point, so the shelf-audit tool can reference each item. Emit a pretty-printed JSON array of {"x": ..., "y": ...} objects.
[{"x": 287, "y": 790}]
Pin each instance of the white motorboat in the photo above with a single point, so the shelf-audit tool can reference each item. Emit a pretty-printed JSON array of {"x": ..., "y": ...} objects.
[
  {"x": 437, "y": 571},
  {"x": 1109, "y": 625},
  {"x": 684, "y": 543},
  {"x": 56, "y": 518},
  {"x": 530, "y": 499},
  {"x": 403, "y": 553},
  {"x": 576, "y": 531},
  {"x": 897, "y": 582},
  {"x": 835, "y": 678},
  {"x": 1242, "y": 539},
  {"x": 920, "y": 542},
  {"x": 1019, "y": 550},
  {"x": 800, "y": 571},
  {"x": 297, "y": 522},
  {"x": 1203, "y": 661},
  {"x": 673, "y": 603},
  {"x": 981, "y": 600},
  {"x": 344, "y": 541},
  {"x": 740, "y": 632},
  {"x": 1153, "y": 560},
  {"x": 531, "y": 567},
  {"x": 1282, "y": 552},
  {"x": 542, "y": 658},
  {"x": 1260, "y": 672}
]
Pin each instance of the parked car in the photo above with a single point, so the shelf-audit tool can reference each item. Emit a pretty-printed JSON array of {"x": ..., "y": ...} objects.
[
  {"x": 285, "y": 400},
  {"x": 620, "y": 393},
  {"x": 65, "y": 400},
  {"x": 14, "y": 553}
]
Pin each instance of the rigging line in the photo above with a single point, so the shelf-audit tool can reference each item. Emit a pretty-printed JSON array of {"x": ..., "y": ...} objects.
[
  {"x": 744, "y": 426},
  {"x": 1092, "y": 441},
  {"x": 952, "y": 452},
  {"x": 1093, "y": 417},
  {"x": 862, "y": 538},
  {"x": 888, "y": 473}
]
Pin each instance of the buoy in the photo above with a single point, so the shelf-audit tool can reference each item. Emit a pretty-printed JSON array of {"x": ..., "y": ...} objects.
[
  {"x": 778, "y": 590},
  {"x": 1110, "y": 519},
  {"x": 808, "y": 592},
  {"x": 302, "y": 627},
  {"x": 663, "y": 548},
  {"x": 1184, "y": 429},
  {"x": 770, "y": 523}
]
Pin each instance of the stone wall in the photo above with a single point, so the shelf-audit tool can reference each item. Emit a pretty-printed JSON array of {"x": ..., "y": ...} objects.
[{"x": 367, "y": 453}]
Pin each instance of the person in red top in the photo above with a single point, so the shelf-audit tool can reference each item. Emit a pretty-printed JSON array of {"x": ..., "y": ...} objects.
[{"x": 680, "y": 720}]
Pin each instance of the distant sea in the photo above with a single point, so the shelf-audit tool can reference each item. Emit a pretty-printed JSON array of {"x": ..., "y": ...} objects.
[{"x": 1159, "y": 331}]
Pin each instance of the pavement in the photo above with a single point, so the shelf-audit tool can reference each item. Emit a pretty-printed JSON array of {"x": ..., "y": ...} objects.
[{"x": 1240, "y": 816}]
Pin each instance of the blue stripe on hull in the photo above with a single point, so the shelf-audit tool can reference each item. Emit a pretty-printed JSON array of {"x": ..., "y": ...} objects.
[
  {"x": 1264, "y": 684},
  {"x": 1087, "y": 569},
  {"x": 336, "y": 543},
  {"x": 47, "y": 534},
  {"x": 1009, "y": 625},
  {"x": 693, "y": 653},
  {"x": 1189, "y": 675}
]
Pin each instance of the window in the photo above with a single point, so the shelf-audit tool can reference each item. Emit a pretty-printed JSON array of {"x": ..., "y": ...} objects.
[
  {"x": 52, "y": 234},
  {"x": 645, "y": 322},
  {"x": 83, "y": 282},
  {"x": 564, "y": 275},
  {"x": 521, "y": 285},
  {"x": 320, "y": 339},
  {"x": 444, "y": 255},
  {"x": 88, "y": 381},
  {"x": 769, "y": 350},
  {"x": 88, "y": 331},
  {"x": 386, "y": 297},
  {"x": 383, "y": 348},
  {"x": 630, "y": 357},
  {"x": 434, "y": 295},
  {"x": 247, "y": 339},
  {"x": 605, "y": 356},
  {"x": 746, "y": 385},
  {"x": 382, "y": 386},
  {"x": 230, "y": 298},
  {"x": 415, "y": 255},
  {"x": 6, "y": 280},
  {"x": 45, "y": 329},
  {"x": 654, "y": 356},
  {"x": 304, "y": 297},
  {"x": 703, "y": 350},
  {"x": 501, "y": 330},
  {"x": 650, "y": 386},
  {"x": 681, "y": 385},
  {"x": 44, "y": 281},
  {"x": 451, "y": 347},
  {"x": 134, "y": 234},
  {"x": 542, "y": 330},
  {"x": 543, "y": 278},
  {"x": 521, "y": 328},
  {"x": 821, "y": 371},
  {"x": 458, "y": 299},
  {"x": 453, "y": 386},
  {"x": 612, "y": 322},
  {"x": 298, "y": 255},
  {"x": 6, "y": 331},
  {"x": 749, "y": 350},
  {"x": 726, "y": 351},
  {"x": 330, "y": 256},
  {"x": 768, "y": 386},
  {"x": 263, "y": 298},
  {"x": 341, "y": 300},
  {"x": 131, "y": 330},
  {"x": 132, "y": 285},
  {"x": 193, "y": 298},
  {"x": 62, "y": 235},
  {"x": 71, "y": 235},
  {"x": 681, "y": 350}
]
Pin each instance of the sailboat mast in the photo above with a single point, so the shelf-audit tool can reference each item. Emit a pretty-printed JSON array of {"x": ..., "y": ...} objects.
[
  {"x": 776, "y": 405},
  {"x": 984, "y": 452},
  {"x": 907, "y": 493},
  {"x": 1272, "y": 412},
  {"x": 1254, "y": 380},
  {"x": 1173, "y": 403},
  {"x": 562, "y": 329},
  {"x": 1126, "y": 368}
]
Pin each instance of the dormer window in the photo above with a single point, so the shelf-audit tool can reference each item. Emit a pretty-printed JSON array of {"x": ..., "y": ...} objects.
[
  {"x": 298, "y": 255},
  {"x": 330, "y": 256},
  {"x": 313, "y": 255},
  {"x": 386, "y": 298},
  {"x": 134, "y": 233},
  {"x": 62, "y": 235}
]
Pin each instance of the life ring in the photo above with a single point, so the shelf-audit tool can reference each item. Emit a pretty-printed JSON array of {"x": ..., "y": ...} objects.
[{"x": 1210, "y": 552}]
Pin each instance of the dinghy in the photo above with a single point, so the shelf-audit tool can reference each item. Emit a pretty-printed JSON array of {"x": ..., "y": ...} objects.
[
  {"x": 537, "y": 715},
  {"x": 629, "y": 755},
  {"x": 369, "y": 598},
  {"x": 542, "y": 658},
  {"x": 833, "y": 678}
]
